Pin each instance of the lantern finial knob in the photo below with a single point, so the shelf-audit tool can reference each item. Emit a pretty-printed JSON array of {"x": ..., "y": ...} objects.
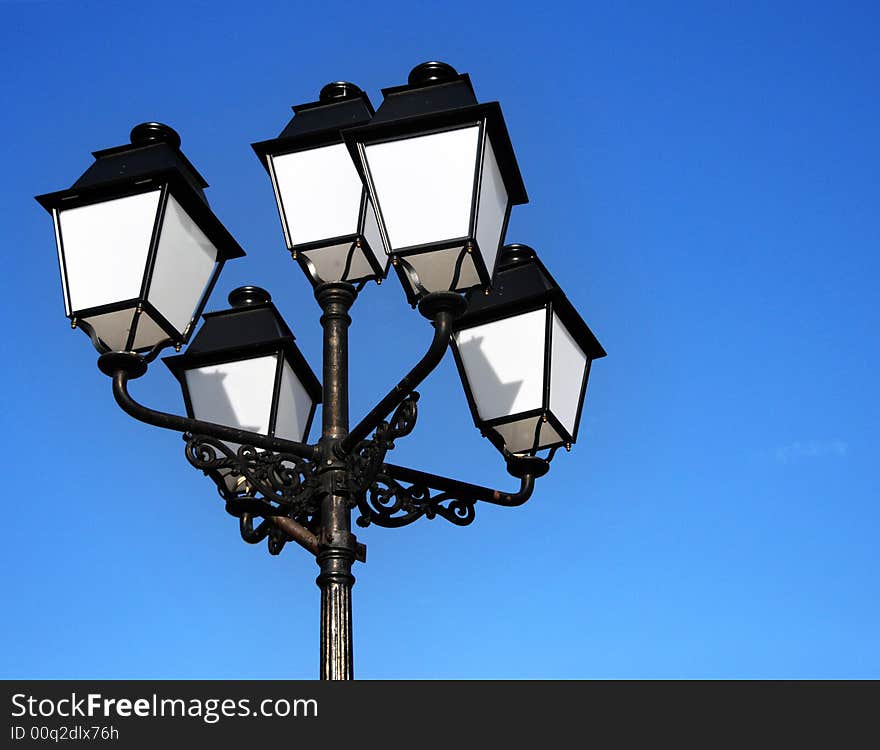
[
  {"x": 245, "y": 296},
  {"x": 154, "y": 132},
  {"x": 338, "y": 90},
  {"x": 514, "y": 254},
  {"x": 431, "y": 72}
]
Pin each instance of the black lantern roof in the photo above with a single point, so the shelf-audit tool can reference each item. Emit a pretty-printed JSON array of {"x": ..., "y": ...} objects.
[
  {"x": 340, "y": 105},
  {"x": 251, "y": 327},
  {"x": 522, "y": 283},
  {"x": 431, "y": 87},
  {"x": 437, "y": 96},
  {"x": 154, "y": 148},
  {"x": 152, "y": 159}
]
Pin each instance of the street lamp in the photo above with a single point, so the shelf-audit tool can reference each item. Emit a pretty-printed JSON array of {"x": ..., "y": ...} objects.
[
  {"x": 442, "y": 174},
  {"x": 138, "y": 246},
  {"x": 140, "y": 251},
  {"x": 329, "y": 223},
  {"x": 524, "y": 356}
]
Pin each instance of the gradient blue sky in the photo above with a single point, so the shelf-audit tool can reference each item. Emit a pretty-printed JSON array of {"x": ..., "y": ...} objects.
[{"x": 703, "y": 181}]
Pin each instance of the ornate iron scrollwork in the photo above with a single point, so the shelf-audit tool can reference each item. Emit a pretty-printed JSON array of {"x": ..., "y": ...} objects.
[
  {"x": 266, "y": 485},
  {"x": 391, "y": 504},
  {"x": 367, "y": 460},
  {"x": 258, "y": 483}
]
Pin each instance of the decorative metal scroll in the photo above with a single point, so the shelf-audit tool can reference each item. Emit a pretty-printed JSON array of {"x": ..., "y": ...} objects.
[
  {"x": 364, "y": 465},
  {"x": 258, "y": 483},
  {"x": 261, "y": 484},
  {"x": 390, "y": 503}
]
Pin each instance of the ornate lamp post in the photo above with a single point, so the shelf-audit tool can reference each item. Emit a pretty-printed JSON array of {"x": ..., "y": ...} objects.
[{"x": 140, "y": 251}]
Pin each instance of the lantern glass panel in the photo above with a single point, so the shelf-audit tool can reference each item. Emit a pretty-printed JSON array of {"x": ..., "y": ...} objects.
[
  {"x": 492, "y": 208},
  {"x": 372, "y": 234},
  {"x": 185, "y": 263},
  {"x": 105, "y": 247},
  {"x": 436, "y": 270},
  {"x": 113, "y": 328},
  {"x": 519, "y": 436},
  {"x": 567, "y": 368},
  {"x": 237, "y": 394},
  {"x": 330, "y": 262},
  {"x": 294, "y": 407},
  {"x": 504, "y": 364},
  {"x": 319, "y": 193},
  {"x": 424, "y": 185},
  {"x": 148, "y": 333}
]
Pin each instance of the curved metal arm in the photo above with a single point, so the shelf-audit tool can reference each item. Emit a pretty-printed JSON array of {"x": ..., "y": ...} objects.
[
  {"x": 443, "y": 308},
  {"x": 391, "y": 504},
  {"x": 186, "y": 424}
]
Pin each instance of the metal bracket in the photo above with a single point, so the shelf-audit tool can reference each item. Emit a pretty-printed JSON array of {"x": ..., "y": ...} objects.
[
  {"x": 364, "y": 463},
  {"x": 399, "y": 496}
]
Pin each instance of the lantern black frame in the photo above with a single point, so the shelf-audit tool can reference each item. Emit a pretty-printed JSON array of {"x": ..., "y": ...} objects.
[
  {"x": 149, "y": 164},
  {"x": 428, "y": 107},
  {"x": 316, "y": 125},
  {"x": 541, "y": 292}
]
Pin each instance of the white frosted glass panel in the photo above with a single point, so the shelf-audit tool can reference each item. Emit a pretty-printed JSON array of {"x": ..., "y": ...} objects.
[
  {"x": 294, "y": 406},
  {"x": 330, "y": 262},
  {"x": 320, "y": 192},
  {"x": 372, "y": 236},
  {"x": 237, "y": 394},
  {"x": 504, "y": 364},
  {"x": 148, "y": 333},
  {"x": 184, "y": 263},
  {"x": 113, "y": 328},
  {"x": 567, "y": 367},
  {"x": 493, "y": 206},
  {"x": 437, "y": 268},
  {"x": 519, "y": 437},
  {"x": 105, "y": 248},
  {"x": 424, "y": 185}
]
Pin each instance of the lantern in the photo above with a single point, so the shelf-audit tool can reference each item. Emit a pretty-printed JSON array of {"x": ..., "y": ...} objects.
[
  {"x": 329, "y": 223},
  {"x": 244, "y": 370},
  {"x": 442, "y": 174},
  {"x": 138, "y": 246},
  {"x": 524, "y": 354}
]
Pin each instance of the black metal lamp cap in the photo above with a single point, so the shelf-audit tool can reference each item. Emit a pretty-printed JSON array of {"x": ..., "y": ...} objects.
[
  {"x": 427, "y": 73},
  {"x": 527, "y": 466},
  {"x": 245, "y": 296},
  {"x": 437, "y": 302},
  {"x": 514, "y": 254},
  {"x": 154, "y": 132},
  {"x": 339, "y": 90}
]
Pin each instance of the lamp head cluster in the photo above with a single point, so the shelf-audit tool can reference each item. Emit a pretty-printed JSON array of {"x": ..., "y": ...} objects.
[{"x": 423, "y": 185}]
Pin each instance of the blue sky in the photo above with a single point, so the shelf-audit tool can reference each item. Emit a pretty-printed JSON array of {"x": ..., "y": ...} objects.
[{"x": 703, "y": 182}]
